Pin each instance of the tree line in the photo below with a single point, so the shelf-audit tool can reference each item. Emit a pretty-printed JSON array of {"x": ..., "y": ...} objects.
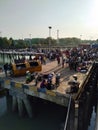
[{"x": 11, "y": 43}]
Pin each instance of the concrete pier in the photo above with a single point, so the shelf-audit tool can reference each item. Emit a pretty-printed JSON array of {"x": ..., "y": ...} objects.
[
  {"x": 28, "y": 107},
  {"x": 20, "y": 103},
  {"x": 3, "y": 105},
  {"x": 20, "y": 106},
  {"x": 14, "y": 103}
]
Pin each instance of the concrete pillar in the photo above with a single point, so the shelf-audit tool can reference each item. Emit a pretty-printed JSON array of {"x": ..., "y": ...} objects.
[
  {"x": 87, "y": 110},
  {"x": 28, "y": 107},
  {"x": 3, "y": 105},
  {"x": 76, "y": 115},
  {"x": 20, "y": 106},
  {"x": 14, "y": 103},
  {"x": 81, "y": 115}
]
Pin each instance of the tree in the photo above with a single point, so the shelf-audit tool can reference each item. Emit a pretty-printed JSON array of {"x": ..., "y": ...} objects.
[{"x": 20, "y": 44}]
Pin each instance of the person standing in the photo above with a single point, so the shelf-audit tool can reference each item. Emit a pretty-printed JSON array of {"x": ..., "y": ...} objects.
[{"x": 5, "y": 68}]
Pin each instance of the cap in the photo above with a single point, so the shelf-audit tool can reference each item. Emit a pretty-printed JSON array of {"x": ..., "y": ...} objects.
[
  {"x": 74, "y": 76},
  {"x": 27, "y": 72}
]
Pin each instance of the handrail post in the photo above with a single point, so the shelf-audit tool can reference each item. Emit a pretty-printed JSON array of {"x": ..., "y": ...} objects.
[{"x": 70, "y": 117}]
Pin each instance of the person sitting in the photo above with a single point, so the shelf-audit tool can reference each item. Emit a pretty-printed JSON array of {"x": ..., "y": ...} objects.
[
  {"x": 43, "y": 86},
  {"x": 50, "y": 85},
  {"x": 28, "y": 77},
  {"x": 49, "y": 82},
  {"x": 74, "y": 85},
  {"x": 38, "y": 78}
]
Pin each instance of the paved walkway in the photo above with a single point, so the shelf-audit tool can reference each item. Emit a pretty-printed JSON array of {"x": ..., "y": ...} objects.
[{"x": 66, "y": 75}]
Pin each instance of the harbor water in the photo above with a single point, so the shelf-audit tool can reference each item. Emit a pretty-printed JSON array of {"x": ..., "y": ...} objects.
[{"x": 47, "y": 116}]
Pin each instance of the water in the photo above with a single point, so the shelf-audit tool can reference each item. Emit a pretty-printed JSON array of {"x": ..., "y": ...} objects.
[
  {"x": 47, "y": 116},
  {"x": 92, "y": 120},
  {"x": 93, "y": 108},
  {"x": 6, "y": 58}
]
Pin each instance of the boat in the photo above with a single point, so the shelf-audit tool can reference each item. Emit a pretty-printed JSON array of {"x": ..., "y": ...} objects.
[{"x": 19, "y": 69}]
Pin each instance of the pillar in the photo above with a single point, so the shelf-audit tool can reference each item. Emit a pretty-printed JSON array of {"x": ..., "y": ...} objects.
[
  {"x": 28, "y": 107},
  {"x": 14, "y": 103},
  {"x": 81, "y": 115},
  {"x": 20, "y": 106},
  {"x": 76, "y": 115},
  {"x": 87, "y": 110},
  {"x": 3, "y": 105}
]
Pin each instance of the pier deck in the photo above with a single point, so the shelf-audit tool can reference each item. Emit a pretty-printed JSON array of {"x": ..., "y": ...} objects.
[
  {"x": 17, "y": 85},
  {"x": 66, "y": 76}
]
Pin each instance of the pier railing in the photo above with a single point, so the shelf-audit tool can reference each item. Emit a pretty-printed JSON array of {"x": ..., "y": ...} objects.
[
  {"x": 82, "y": 86},
  {"x": 67, "y": 116}
]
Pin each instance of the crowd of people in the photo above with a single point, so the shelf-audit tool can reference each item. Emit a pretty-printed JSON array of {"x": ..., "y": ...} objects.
[
  {"x": 47, "y": 82},
  {"x": 76, "y": 59}
]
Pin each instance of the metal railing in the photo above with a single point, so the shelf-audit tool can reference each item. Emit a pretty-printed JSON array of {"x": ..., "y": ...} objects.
[{"x": 66, "y": 121}]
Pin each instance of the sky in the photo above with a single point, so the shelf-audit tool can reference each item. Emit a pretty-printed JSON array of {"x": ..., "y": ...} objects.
[{"x": 32, "y": 18}]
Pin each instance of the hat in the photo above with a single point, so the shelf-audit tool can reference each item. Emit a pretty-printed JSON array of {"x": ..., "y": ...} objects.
[
  {"x": 27, "y": 72},
  {"x": 74, "y": 76}
]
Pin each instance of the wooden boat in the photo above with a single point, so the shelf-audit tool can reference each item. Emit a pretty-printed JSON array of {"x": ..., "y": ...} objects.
[{"x": 19, "y": 69}]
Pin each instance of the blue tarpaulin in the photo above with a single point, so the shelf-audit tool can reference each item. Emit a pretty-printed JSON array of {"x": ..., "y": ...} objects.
[{"x": 95, "y": 45}]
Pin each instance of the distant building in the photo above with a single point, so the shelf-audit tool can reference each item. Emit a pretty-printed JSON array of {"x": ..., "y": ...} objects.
[{"x": 84, "y": 45}]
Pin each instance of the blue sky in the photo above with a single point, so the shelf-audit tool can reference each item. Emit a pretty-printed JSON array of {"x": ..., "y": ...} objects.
[{"x": 73, "y": 18}]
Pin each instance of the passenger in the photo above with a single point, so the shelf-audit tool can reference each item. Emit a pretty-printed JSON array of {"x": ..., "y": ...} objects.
[
  {"x": 50, "y": 76},
  {"x": 44, "y": 60},
  {"x": 28, "y": 77},
  {"x": 57, "y": 80},
  {"x": 74, "y": 84},
  {"x": 63, "y": 62},
  {"x": 38, "y": 78},
  {"x": 43, "y": 86},
  {"x": 50, "y": 86},
  {"x": 5, "y": 68},
  {"x": 58, "y": 59},
  {"x": 75, "y": 77},
  {"x": 49, "y": 83},
  {"x": 33, "y": 76}
]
